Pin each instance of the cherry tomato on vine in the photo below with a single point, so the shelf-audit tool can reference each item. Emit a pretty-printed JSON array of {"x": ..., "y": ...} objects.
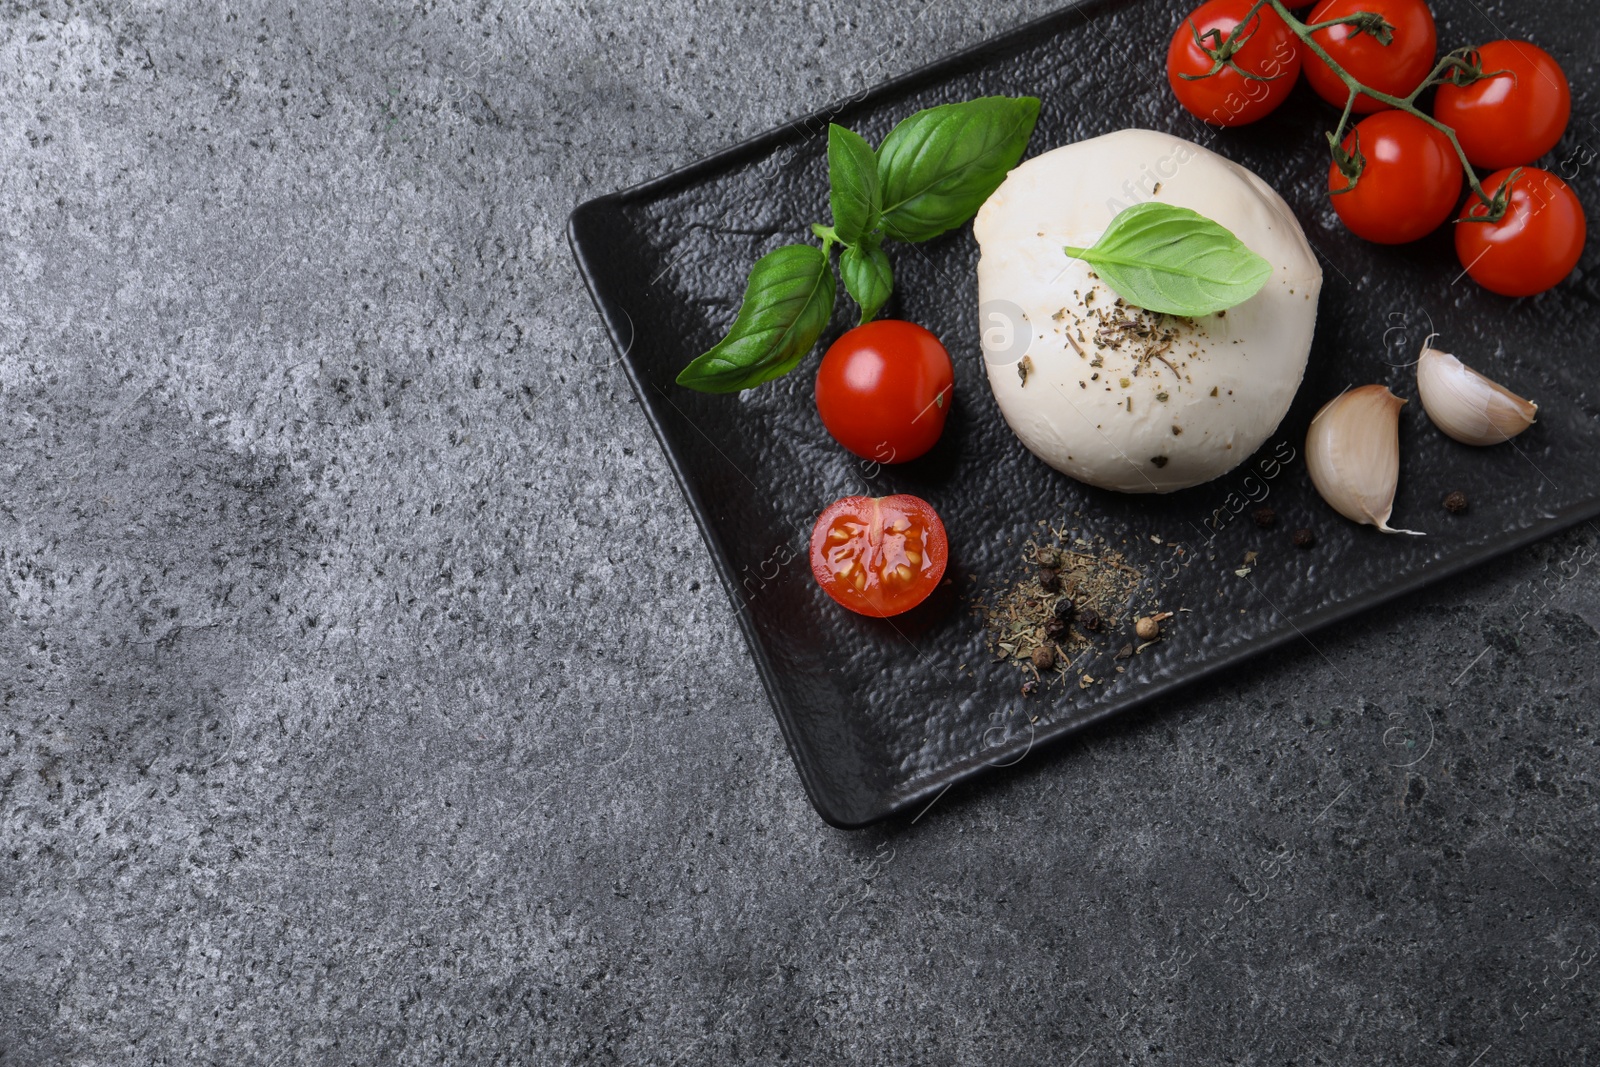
[
  {"x": 883, "y": 390},
  {"x": 1534, "y": 246},
  {"x": 1395, "y": 68},
  {"x": 1514, "y": 117},
  {"x": 1269, "y": 52},
  {"x": 1409, "y": 184},
  {"x": 879, "y": 556}
]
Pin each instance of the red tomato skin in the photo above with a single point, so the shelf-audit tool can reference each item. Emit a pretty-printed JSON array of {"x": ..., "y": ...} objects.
[
  {"x": 1395, "y": 69},
  {"x": 1535, "y": 246},
  {"x": 1513, "y": 118},
  {"x": 1227, "y": 98},
  {"x": 884, "y": 390},
  {"x": 878, "y": 600},
  {"x": 1411, "y": 184}
]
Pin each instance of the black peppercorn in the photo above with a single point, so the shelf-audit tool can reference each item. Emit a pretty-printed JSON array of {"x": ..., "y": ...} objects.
[
  {"x": 1055, "y": 628},
  {"x": 1304, "y": 538},
  {"x": 1265, "y": 517},
  {"x": 1456, "y": 503},
  {"x": 1065, "y": 608},
  {"x": 1049, "y": 579},
  {"x": 1089, "y": 619}
]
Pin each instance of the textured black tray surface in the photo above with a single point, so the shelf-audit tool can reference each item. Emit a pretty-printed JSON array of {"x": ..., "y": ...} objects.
[{"x": 882, "y": 716}]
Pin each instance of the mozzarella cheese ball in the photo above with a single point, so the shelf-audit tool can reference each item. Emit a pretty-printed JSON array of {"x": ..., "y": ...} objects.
[{"x": 1108, "y": 393}]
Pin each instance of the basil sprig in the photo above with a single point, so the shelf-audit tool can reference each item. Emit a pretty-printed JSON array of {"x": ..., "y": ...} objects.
[
  {"x": 786, "y": 307},
  {"x": 854, "y": 194},
  {"x": 1172, "y": 260},
  {"x": 930, "y": 175},
  {"x": 940, "y": 165},
  {"x": 867, "y": 277}
]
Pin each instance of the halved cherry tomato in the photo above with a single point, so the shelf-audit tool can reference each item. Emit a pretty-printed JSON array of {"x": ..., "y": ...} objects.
[
  {"x": 1228, "y": 98},
  {"x": 1395, "y": 68},
  {"x": 1410, "y": 184},
  {"x": 1534, "y": 246},
  {"x": 879, "y": 556},
  {"x": 883, "y": 390},
  {"x": 1514, "y": 117}
]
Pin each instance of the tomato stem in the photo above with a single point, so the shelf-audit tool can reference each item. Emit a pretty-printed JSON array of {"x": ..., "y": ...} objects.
[
  {"x": 1368, "y": 21},
  {"x": 1350, "y": 164},
  {"x": 1222, "y": 52},
  {"x": 1364, "y": 22}
]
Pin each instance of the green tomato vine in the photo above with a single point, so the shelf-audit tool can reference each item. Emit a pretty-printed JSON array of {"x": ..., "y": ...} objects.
[{"x": 1461, "y": 67}]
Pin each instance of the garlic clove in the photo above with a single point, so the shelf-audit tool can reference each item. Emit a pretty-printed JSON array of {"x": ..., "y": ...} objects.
[
  {"x": 1353, "y": 454},
  {"x": 1467, "y": 406}
]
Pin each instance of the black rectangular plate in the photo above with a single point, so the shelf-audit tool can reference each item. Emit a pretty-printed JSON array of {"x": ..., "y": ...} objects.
[{"x": 882, "y": 716}]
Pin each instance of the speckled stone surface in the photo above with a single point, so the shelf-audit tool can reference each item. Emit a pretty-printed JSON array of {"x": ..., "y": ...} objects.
[{"x": 366, "y": 695}]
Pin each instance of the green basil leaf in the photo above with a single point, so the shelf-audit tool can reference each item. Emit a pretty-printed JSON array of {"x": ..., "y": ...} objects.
[
  {"x": 1175, "y": 261},
  {"x": 867, "y": 278},
  {"x": 853, "y": 191},
  {"x": 938, "y": 166},
  {"x": 786, "y": 307}
]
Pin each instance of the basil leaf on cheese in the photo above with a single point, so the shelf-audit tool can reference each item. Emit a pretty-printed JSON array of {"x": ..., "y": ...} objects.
[{"x": 1175, "y": 261}]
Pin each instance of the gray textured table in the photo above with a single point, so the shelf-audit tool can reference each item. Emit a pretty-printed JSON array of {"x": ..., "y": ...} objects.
[{"x": 368, "y": 696}]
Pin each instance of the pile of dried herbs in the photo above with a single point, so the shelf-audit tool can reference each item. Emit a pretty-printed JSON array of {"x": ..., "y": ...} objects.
[{"x": 1075, "y": 602}]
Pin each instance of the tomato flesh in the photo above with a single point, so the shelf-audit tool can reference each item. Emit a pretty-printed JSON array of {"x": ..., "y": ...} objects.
[
  {"x": 1228, "y": 98},
  {"x": 1409, "y": 186},
  {"x": 879, "y": 556},
  {"x": 883, "y": 390},
  {"x": 1514, "y": 117},
  {"x": 1395, "y": 69},
  {"x": 1534, "y": 246}
]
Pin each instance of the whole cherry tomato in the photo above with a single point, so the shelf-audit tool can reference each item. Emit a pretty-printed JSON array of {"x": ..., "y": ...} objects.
[
  {"x": 1267, "y": 50},
  {"x": 883, "y": 390},
  {"x": 1513, "y": 117},
  {"x": 1409, "y": 184},
  {"x": 879, "y": 556},
  {"x": 1396, "y": 68},
  {"x": 1534, "y": 246}
]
